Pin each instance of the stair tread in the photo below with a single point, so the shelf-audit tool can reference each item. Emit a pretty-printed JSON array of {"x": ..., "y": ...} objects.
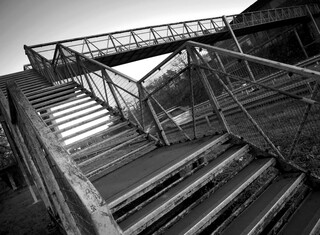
[
  {"x": 172, "y": 192},
  {"x": 121, "y": 161},
  {"x": 305, "y": 217},
  {"x": 52, "y": 89},
  {"x": 200, "y": 211},
  {"x": 103, "y": 140},
  {"x": 263, "y": 202},
  {"x": 43, "y": 95},
  {"x": 128, "y": 177},
  {"x": 111, "y": 156}
]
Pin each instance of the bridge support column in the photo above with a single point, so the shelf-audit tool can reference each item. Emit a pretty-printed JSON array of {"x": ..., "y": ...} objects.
[{"x": 238, "y": 46}]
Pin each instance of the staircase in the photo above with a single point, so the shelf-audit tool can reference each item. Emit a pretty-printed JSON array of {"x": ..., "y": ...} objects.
[
  {"x": 28, "y": 81},
  {"x": 214, "y": 185},
  {"x": 218, "y": 184},
  {"x": 97, "y": 138}
]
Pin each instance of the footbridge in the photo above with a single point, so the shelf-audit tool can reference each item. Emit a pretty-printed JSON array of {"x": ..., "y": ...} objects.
[
  {"x": 131, "y": 45},
  {"x": 110, "y": 155}
]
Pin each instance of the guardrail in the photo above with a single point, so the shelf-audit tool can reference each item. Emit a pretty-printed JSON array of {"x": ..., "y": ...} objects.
[
  {"x": 118, "y": 42},
  {"x": 281, "y": 117}
]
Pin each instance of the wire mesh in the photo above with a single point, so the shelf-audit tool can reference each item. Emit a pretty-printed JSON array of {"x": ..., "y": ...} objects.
[
  {"x": 177, "y": 92},
  {"x": 277, "y": 107},
  {"x": 120, "y": 93}
]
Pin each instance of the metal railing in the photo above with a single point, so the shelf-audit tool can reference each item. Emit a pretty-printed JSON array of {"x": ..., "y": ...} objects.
[
  {"x": 170, "y": 100},
  {"x": 279, "y": 116},
  {"x": 117, "y": 42},
  {"x": 119, "y": 92}
]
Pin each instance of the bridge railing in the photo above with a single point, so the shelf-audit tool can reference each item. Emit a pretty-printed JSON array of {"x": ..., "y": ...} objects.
[
  {"x": 271, "y": 15},
  {"x": 285, "y": 111},
  {"x": 280, "y": 116},
  {"x": 42, "y": 65},
  {"x": 119, "y": 92},
  {"x": 68, "y": 194},
  {"x": 111, "y": 43}
]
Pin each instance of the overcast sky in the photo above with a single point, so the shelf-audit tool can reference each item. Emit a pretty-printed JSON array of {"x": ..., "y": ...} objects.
[{"x": 38, "y": 21}]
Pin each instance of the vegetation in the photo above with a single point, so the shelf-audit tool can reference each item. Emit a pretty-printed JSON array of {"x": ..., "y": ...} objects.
[{"x": 6, "y": 157}]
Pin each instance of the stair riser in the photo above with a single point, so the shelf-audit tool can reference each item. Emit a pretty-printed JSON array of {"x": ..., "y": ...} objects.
[
  {"x": 186, "y": 193},
  {"x": 50, "y": 91},
  {"x": 262, "y": 223},
  {"x": 79, "y": 117},
  {"x": 67, "y": 107},
  {"x": 257, "y": 188},
  {"x": 63, "y": 102},
  {"x": 159, "y": 179},
  {"x": 76, "y": 109},
  {"x": 96, "y": 144},
  {"x": 58, "y": 101},
  {"x": 221, "y": 178},
  {"x": 102, "y": 171},
  {"x": 105, "y": 154},
  {"x": 113, "y": 138},
  {"x": 279, "y": 220},
  {"x": 91, "y": 126},
  {"x": 211, "y": 217},
  {"x": 56, "y": 94},
  {"x": 174, "y": 180},
  {"x": 316, "y": 229}
]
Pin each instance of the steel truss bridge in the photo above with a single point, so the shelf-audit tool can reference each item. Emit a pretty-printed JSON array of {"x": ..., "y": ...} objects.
[{"x": 112, "y": 155}]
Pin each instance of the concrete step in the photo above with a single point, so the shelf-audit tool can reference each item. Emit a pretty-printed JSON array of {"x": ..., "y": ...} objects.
[
  {"x": 111, "y": 153},
  {"x": 257, "y": 217},
  {"x": 165, "y": 205},
  {"x": 151, "y": 172},
  {"x": 306, "y": 219},
  {"x": 50, "y": 90},
  {"x": 207, "y": 212},
  {"x": 117, "y": 132},
  {"x": 121, "y": 158},
  {"x": 42, "y": 97}
]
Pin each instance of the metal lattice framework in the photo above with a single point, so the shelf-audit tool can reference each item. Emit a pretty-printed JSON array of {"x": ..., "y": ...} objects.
[
  {"x": 171, "y": 36},
  {"x": 275, "y": 101}
]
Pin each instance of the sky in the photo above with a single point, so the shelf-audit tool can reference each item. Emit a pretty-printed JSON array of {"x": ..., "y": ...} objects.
[{"x": 30, "y": 22}]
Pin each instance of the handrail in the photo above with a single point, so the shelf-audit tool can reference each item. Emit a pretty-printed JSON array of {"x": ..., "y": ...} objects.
[
  {"x": 287, "y": 94},
  {"x": 116, "y": 42},
  {"x": 101, "y": 65}
]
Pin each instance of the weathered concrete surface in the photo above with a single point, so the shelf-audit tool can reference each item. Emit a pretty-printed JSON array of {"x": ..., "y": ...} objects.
[
  {"x": 135, "y": 173},
  {"x": 305, "y": 217}
]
